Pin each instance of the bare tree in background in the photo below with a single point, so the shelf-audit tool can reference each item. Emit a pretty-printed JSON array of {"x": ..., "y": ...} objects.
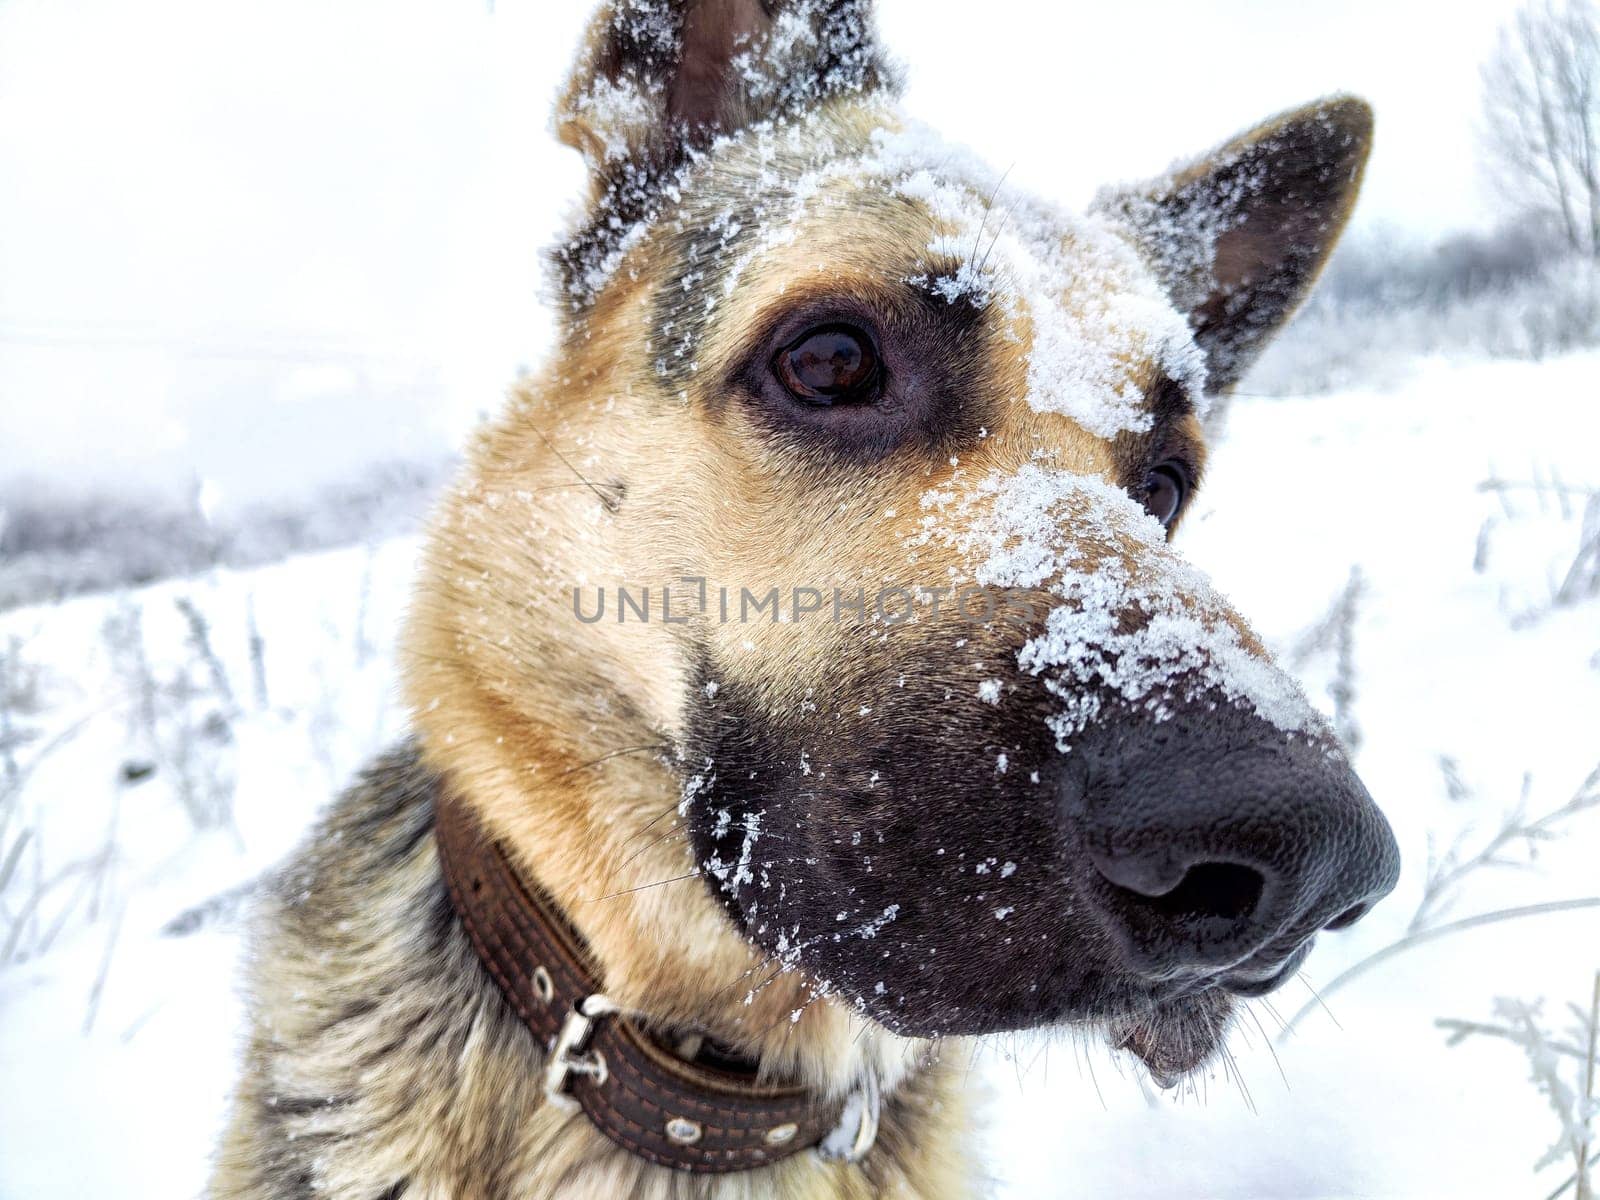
[{"x": 1542, "y": 115}]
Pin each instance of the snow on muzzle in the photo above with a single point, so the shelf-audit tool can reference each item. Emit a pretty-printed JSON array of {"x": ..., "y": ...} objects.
[{"x": 1209, "y": 816}]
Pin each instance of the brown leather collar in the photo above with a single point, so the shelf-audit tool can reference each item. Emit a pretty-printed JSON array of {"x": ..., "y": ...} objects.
[{"x": 647, "y": 1100}]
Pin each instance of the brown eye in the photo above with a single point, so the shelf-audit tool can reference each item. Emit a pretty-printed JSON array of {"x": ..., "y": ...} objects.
[
  {"x": 831, "y": 365},
  {"x": 1163, "y": 492}
]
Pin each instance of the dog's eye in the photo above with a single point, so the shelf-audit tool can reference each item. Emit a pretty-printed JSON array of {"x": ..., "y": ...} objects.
[
  {"x": 1163, "y": 492},
  {"x": 834, "y": 364}
]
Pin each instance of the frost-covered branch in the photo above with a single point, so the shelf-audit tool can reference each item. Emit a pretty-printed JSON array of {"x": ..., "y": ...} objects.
[
  {"x": 184, "y": 718},
  {"x": 1413, "y": 940},
  {"x": 200, "y": 643},
  {"x": 258, "y": 653},
  {"x": 1561, "y": 1067},
  {"x": 1582, "y": 581},
  {"x": 1516, "y": 832},
  {"x": 1336, "y": 632}
]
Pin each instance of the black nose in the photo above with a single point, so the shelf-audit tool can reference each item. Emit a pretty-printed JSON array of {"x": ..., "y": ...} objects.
[{"x": 1217, "y": 844}]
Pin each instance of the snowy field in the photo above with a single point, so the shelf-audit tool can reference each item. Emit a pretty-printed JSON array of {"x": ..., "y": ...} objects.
[
  {"x": 251, "y": 252},
  {"x": 1412, "y": 552}
]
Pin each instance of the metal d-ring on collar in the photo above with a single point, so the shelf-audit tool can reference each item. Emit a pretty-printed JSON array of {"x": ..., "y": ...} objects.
[
  {"x": 857, "y": 1129},
  {"x": 570, "y": 1055},
  {"x": 848, "y": 1141}
]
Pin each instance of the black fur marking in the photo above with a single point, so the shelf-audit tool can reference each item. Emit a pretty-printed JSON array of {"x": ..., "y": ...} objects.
[
  {"x": 704, "y": 95},
  {"x": 394, "y": 1039},
  {"x": 305, "y": 1106},
  {"x": 634, "y": 195},
  {"x": 353, "y": 1011},
  {"x": 902, "y": 827}
]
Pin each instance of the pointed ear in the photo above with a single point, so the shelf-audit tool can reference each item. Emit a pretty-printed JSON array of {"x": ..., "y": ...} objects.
[
  {"x": 658, "y": 78},
  {"x": 1239, "y": 237}
]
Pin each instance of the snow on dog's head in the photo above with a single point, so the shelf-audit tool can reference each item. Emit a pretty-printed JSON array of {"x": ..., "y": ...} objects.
[{"x": 985, "y": 753}]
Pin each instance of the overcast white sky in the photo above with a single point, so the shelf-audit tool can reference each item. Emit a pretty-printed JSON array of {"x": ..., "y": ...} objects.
[{"x": 258, "y": 242}]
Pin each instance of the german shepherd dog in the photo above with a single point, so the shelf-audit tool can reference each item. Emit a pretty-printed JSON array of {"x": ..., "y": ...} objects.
[{"x": 678, "y": 654}]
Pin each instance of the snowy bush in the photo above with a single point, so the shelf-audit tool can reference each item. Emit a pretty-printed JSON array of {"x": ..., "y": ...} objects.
[
  {"x": 1367, "y": 325},
  {"x": 55, "y": 544},
  {"x": 1513, "y": 543},
  {"x": 1562, "y": 1062}
]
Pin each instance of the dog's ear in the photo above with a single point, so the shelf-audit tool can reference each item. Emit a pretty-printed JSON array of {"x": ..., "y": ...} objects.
[
  {"x": 660, "y": 77},
  {"x": 1239, "y": 237}
]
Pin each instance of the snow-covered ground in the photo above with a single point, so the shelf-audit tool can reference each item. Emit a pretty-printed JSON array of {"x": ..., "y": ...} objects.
[{"x": 1469, "y": 691}]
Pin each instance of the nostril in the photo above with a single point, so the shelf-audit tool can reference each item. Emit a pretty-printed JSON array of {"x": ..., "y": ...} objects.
[
  {"x": 1349, "y": 916},
  {"x": 1209, "y": 890}
]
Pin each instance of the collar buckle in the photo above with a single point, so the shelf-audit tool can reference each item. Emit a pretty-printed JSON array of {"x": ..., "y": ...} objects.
[{"x": 570, "y": 1056}]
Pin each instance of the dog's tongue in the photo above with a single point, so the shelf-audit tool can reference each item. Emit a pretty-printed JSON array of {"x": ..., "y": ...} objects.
[{"x": 1176, "y": 1036}]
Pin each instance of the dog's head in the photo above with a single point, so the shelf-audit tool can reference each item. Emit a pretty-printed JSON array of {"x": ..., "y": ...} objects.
[{"x": 886, "y": 459}]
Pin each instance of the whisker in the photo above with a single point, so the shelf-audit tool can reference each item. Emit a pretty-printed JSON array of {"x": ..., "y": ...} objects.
[
  {"x": 778, "y": 972},
  {"x": 644, "y": 887},
  {"x": 611, "y": 503},
  {"x": 1272, "y": 1011},
  {"x": 725, "y": 993},
  {"x": 1301, "y": 976},
  {"x": 1088, "y": 1061},
  {"x": 1042, "y": 1053},
  {"x": 685, "y": 830},
  {"x": 998, "y": 231},
  {"x": 561, "y": 487},
  {"x": 595, "y": 762},
  {"x": 972, "y": 1065},
  {"x": 1250, "y": 1008},
  {"x": 645, "y": 828},
  {"x": 793, "y": 1017},
  {"x": 988, "y": 207},
  {"x": 788, "y": 1035},
  {"x": 1232, "y": 1071},
  {"x": 651, "y": 845}
]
